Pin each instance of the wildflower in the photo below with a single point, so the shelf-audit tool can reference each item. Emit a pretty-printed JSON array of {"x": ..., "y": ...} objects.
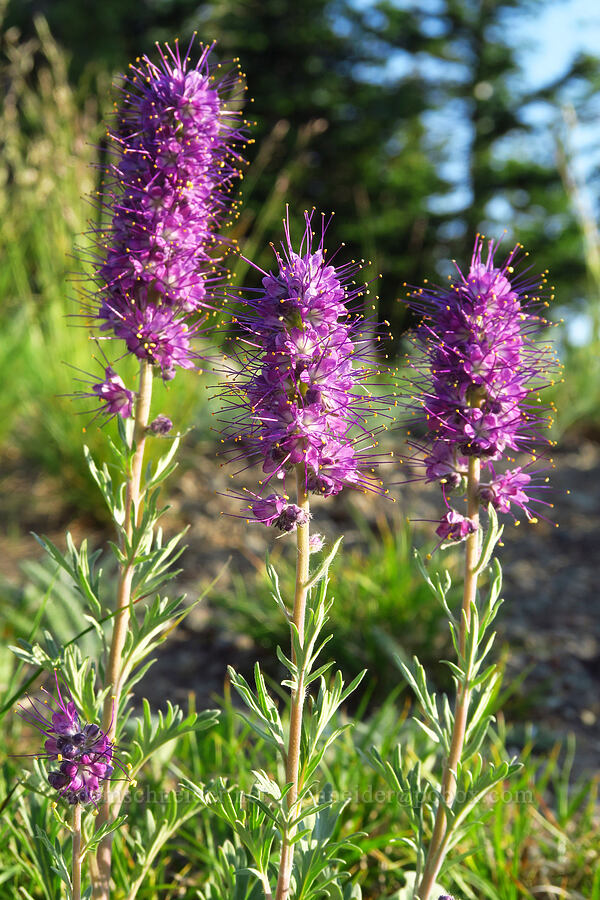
[
  {"x": 316, "y": 543},
  {"x": 454, "y": 527},
  {"x": 82, "y": 749},
  {"x": 114, "y": 396},
  {"x": 278, "y": 511},
  {"x": 160, "y": 425},
  {"x": 506, "y": 489},
  {"x": 173, "y": 163},
  {"x": 295, "y": 391},
  {"x": 481, "y": 362}
]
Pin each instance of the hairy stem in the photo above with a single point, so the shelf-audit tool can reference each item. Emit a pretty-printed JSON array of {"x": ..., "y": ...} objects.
[
  {"x": 133, "y": 515},
  {"x": 297, "y": 707},
  {"x": 76, "y": 878},
  {"x": 437, "y": 846}
]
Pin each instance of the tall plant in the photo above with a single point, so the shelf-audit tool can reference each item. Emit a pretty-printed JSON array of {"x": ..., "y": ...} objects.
[
  {"x": 475, "y": 385},
  {"x": 297, "y": 400},
  {"x": 173, "y": 158}
]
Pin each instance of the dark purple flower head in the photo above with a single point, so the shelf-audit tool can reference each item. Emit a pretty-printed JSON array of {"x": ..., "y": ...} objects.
[
  {"x": 173, "y": 161},
  {"x": 480, "y": 363},
  {"x": 160, "y": 425},
  {"x": 278, "y": 511},
  {"x": 83, "y": 751},
  {"x": 443, "y": 465},
  {"x": 114, "y": 396},
  {"x": 295, "y": 392},
  {"x": 454, "y": 527}
]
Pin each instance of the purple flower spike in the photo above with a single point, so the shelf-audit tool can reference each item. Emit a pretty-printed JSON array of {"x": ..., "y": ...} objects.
[
  {"x": 173, "y": 161},
  {"x": 114, "y": 396},
  {"x": 83, "y": 751},
  {"x": 295, "y": 391},
  {"x": 480, "y": 363}
]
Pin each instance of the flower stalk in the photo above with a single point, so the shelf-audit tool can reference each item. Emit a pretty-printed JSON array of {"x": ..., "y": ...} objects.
[
  {"x": 437, "y": 847},
  {"x": 297, "y": 706},
  {"x": 296, "y": 400},
  {"x": 76, "y": 893},
  {"x": 173, "y": 158},
  {"x": 133, "y": 514}
]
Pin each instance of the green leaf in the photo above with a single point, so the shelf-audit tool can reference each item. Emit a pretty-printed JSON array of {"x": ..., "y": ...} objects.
[
  {"x": 163, "y": 468},
  {"x": 56, "y": 854},
  {"x": 108, "y": 828},
  {"x": 275, "y": 592},
  {"x": 81, "y": 567},
  {"x": 113, "y": 496},
  {"x": 489, "y": 540},
  {"x": 417, "y": 679},
  {"x": 408, "y": 891},
  {"x": 154, "y": 731},
  {"x": 323, "y": 569},
  {"x": 150, "y": 841},
  {"x": 266, "y": 721}
]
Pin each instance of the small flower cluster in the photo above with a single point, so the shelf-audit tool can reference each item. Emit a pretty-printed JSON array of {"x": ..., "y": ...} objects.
[
  {"x": 294, "y": 389},
  {"x": 116, "y": 399},
  {"x": 481, "y": 363},
  {"x": 278, "y": 511},
  {"x": 174, "y": 161},
  {"x": 83, "y": 750}
]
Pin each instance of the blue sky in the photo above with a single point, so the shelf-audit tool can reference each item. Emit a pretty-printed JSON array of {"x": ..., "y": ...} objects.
[
  {"x": 547, "y": 40},
  {"x": 551, "y": 39}
]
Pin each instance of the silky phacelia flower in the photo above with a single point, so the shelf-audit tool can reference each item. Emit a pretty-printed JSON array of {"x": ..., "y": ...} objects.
[
  {"x": 296, "y": 392},
  {"x": 316, "y": 542},
  {"x": 173, "y": 159},
  {"x": 160, "y": 425},
  {"x": 505, "y": 489},
  {"x": 480, "y": 363},
  {"x": 82, "y": 750},
  {"x": 278, "y": 511},
  {"x": 115, "y": 398},
  {"x": 454, "y": 527}
]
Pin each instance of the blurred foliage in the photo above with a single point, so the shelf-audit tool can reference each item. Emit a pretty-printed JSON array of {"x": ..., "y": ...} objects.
[{"x": 577, "y": 395}]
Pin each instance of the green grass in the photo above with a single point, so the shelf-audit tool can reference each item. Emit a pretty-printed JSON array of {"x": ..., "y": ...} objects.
[
  {"x": 537, "y": 842},
  {"x": 541, "y": 844},
  {"x": 577, "y": 395}
]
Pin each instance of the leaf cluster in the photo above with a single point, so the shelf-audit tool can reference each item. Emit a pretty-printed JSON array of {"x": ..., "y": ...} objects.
[{"x": 417, "y": 788}]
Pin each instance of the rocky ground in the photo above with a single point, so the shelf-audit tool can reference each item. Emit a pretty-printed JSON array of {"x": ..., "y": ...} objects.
[{"x": 549, "y": 625}]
